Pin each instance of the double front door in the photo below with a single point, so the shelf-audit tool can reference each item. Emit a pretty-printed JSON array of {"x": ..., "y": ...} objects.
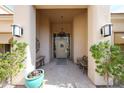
[{"x": 62, "y": 46}]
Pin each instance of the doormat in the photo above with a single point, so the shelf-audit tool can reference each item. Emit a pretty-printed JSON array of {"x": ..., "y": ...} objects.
[{"x": 61, "y": 61}]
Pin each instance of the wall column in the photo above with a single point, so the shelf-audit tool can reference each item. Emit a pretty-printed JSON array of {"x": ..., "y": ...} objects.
[
  {"x": 24, "y": 15},
  {"x": 97, "y": 17},
  {"x": 79, "y": 36}
]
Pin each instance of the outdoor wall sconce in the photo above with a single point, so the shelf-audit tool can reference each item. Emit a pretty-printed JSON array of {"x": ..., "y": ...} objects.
[
  {"x": 106, "y": 30},
  {"x": 17, "y": 30}
]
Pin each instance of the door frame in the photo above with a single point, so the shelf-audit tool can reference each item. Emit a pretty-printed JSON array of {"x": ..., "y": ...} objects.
[{"x": 54, "y": 35}]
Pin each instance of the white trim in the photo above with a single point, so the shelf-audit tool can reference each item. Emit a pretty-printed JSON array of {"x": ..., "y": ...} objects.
[
  {"x": 6, "y": 9},
  {"x": 6, "y": 17}
]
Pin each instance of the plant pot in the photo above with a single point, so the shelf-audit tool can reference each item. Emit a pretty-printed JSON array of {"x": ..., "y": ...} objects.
[{"x": 36, "y": 81}]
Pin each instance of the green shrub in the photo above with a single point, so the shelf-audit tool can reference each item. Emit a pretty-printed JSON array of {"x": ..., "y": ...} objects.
[
  {"x": 109, "y": 60},
  {"x": 12, "y": 62}
]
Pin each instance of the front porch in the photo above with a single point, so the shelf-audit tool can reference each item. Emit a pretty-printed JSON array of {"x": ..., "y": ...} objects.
[
  {"x": 85, "y": 32},
  {"x": 63, "y": 74},
  {"x": 66, "y": 75},
  {"x": 81, "y": 26}
]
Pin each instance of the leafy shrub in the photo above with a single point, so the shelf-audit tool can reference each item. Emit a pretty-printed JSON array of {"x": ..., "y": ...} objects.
[
  {"x": 109, "y": 60},
  {"x": 12, "y": 62}
]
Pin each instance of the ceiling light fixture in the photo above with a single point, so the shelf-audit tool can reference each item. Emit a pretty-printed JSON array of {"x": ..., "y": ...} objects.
[{"x": 61, "y": 33}]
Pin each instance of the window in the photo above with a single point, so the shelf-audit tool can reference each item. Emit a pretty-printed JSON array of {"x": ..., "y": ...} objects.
[
  {"x": 4, "y": 48},
  {"x": 119, "y": 40}
]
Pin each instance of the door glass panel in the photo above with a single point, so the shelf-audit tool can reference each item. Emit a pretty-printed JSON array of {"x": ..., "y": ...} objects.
[{"x": 61, "y": 44}]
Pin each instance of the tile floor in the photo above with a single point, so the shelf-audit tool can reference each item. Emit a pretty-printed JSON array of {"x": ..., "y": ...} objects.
[{"x": 65, "y": 76}]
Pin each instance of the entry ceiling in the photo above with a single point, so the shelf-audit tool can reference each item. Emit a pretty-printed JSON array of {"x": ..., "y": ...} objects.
[{"x": 55, "y": 14}]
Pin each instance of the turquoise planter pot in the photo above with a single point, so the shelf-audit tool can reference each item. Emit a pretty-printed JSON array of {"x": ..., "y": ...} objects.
[{"x": 35, "y": 82}]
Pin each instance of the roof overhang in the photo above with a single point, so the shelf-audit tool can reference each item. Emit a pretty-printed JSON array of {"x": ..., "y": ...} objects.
[
  {"x": 6, "y": 17},
  {"x": 60, "y": 6},
  {"x": 117, "y": 15},
  {"x": 6, "y": 9}
]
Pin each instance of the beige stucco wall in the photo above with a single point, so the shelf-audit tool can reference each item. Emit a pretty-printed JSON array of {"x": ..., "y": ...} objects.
[
  {"x": 4, "y": 38},
  {"x": 118, "y": 22},
  {"x": 80, "y": 36},
  {"x": 118, "y": 26},
  {"x": 44, "y": 38},
  {"x": 5, "y": 28},
  {"x": 24, "y": 15},
  {"x": 56, "y": 27},
  {"x": 5, "y": 25},
  {"x": 97, "y": 17}
]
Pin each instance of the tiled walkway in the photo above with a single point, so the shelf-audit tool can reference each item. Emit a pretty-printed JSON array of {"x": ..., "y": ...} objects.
[{"x": 65, "y": 76}]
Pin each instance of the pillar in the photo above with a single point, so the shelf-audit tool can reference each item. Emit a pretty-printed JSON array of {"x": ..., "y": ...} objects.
[
  {"x": 24, "y": 15},
  {"x": 98, "y": 15}
]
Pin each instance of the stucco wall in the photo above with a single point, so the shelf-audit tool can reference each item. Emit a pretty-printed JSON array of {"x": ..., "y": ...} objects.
[
  {"x": 4, "y": 38},
  {"x": 5, "y": 28},
  {"x": 80, "y": 36},
  {"x": 97, "y": 17},
  {"x": 24, "y": 15},
  {"x": 5, "y": 25},
  {"x": 45, "y": 38},
  {"x": 56, "y": 27},
  {"x": 118, "y": 26},
  {"x": 27, "y": 13},
  {"x": 43, "y": 35}
]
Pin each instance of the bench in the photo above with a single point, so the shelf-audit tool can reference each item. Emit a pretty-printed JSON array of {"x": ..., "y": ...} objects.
[
  {"x": 40, "y": 61},
  {"x": 83, "y": 63}
]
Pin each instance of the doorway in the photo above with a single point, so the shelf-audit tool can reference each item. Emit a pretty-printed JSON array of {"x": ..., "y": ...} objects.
[{"x": 61, "y": 43}]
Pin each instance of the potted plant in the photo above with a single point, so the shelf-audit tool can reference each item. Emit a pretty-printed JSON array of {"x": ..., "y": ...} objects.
[{"x": 35, "y": 79}]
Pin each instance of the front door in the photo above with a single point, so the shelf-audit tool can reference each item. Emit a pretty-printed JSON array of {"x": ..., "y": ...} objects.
[{"x": 62, "y": 45}]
